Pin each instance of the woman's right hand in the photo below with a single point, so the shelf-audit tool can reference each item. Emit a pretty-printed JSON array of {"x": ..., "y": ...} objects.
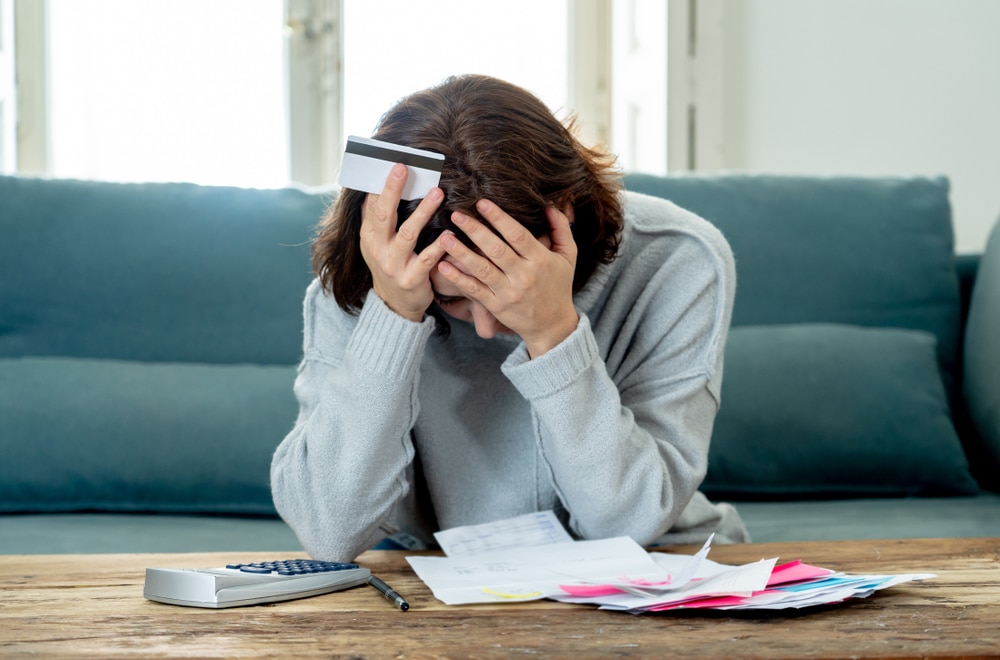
[{"x": 400, "y": 276}]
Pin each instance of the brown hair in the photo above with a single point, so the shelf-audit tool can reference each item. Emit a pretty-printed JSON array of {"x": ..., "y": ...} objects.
[{"x": 500, "y": 143}]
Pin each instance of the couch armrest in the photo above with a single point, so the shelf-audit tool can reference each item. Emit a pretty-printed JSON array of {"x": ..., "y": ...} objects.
[
  {"x": 981, "y": 366},
  {"x": 967, "y": 266}
]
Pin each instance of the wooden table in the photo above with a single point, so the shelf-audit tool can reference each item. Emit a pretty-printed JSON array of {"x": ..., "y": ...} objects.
[{"x": 92, "y": 605}]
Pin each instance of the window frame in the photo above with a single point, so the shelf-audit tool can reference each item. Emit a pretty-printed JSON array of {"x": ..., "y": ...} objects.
[{"x": 31, "y": 87}]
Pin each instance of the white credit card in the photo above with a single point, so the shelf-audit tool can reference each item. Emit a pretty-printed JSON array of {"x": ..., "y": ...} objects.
[{"x": 367, "y": 164}]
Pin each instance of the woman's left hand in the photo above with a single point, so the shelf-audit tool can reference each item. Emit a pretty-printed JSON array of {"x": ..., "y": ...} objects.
[{"x": 525, "y": 284}]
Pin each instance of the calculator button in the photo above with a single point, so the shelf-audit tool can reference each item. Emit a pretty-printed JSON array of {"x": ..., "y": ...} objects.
[
  {"x": 246, "y": 568},
  {"x": 291, "y": 567}
]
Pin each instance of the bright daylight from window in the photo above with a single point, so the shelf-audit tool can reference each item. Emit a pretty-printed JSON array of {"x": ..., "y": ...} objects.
[
  {"x": 168, "y": 90},
  {"x": 523, "y": 41},
  {"x": 188, "y": 90}
]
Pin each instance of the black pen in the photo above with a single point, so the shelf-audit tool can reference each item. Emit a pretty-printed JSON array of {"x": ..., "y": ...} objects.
[{"x": 389, "y": 593}]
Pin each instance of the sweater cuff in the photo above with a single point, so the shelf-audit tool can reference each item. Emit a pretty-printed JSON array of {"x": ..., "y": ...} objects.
[
  {"x": 385, "y": 342},
  {"x": 557, "y": 368}
]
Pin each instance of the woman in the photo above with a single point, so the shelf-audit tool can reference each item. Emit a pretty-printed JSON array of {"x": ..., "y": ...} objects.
[{"x": 526, "y": 337}]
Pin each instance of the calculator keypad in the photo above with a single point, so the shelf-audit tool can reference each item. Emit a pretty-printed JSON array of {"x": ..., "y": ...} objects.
[{"x": 291, "y": 567}]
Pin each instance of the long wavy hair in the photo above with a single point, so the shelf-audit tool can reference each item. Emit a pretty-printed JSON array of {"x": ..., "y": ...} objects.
[{"x": 500, "y": 143}]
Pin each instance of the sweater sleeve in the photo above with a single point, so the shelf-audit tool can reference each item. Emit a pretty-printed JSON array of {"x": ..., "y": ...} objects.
[
  {"x": 339, "y": 476},
  {"x": 625, "y": 431}
]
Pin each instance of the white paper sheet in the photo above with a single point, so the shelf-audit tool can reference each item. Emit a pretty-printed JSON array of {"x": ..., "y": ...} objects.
[
  {"x": 531, "y": 573},
  {"x": 541, "y": 528}
]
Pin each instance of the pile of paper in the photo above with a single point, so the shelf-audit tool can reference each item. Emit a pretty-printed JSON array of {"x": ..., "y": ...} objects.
[
  {"x": 699, "y": 583},
  {"x": 532, "y": 557}
]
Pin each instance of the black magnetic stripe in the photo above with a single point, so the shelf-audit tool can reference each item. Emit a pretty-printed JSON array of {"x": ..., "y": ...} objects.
[{"x": 389, "y": 155}]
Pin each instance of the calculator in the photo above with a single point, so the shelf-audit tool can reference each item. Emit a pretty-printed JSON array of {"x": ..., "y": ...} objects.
[{"x": 250, "y": 583}]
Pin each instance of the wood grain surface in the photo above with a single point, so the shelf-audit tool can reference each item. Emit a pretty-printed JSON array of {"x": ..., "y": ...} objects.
[{"x": 92, "y": 606}]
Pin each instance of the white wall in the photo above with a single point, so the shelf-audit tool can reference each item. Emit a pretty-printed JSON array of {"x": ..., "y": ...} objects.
[{"x": 881, "y": 87}]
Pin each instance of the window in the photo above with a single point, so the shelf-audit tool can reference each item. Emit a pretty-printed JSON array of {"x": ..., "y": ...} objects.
[
  {"x": 262, "y": 92},
  {"x": 522, "y": 41},
  {"x": 164, "y": 90}
]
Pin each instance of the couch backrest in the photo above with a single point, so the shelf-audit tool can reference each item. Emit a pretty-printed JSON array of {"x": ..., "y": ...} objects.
[
  {"x": 165, "y": 272},
  {"x": 183, "y": 273},
  {"x": 875, "y": 252}
]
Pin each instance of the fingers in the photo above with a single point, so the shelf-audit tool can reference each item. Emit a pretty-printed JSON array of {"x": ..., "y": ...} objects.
[
  {"x": 409, "y": 231},
  {"x": 379, "y": 215},
  {"x": 486, "y": 269},
  {"x": 528, "y": 290},
  {"x": 432, "y": 254},
  {"x": 499, "y": 254},
  {"x": 515, "y": 242},
  {"x": 562, "y": 233},
  {"x": 400, "y": 276},
  {"x": 514, "y": 233},
  {"x": 466, "y": 283}
]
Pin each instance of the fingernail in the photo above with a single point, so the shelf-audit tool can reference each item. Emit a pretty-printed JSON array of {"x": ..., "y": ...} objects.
[
  {"x": 444, "y": 267},
  {"x": 447, "y": 239},
  {"x": 398, "y": 170},
  {"x": 459, "y": 219}
]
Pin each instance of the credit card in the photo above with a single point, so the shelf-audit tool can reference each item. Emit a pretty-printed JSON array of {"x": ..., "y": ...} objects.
[{"x": 367, "y": 163}]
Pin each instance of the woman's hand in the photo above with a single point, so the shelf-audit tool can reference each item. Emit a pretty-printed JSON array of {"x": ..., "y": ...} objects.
[
  {"x": 400, "y": 276},
  {"x": 525, "y": 282}
]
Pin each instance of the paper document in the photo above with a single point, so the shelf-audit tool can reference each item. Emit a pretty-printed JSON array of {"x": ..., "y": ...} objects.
[
  {"x": 532, "y": 557},
  {"x": 533, "y": 529},
  {"x": 530, "y": 573}
]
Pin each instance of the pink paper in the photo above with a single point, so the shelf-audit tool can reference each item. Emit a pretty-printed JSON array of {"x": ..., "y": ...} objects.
[
  {"x": 590, "y": 591},
  {"x": 796, "y": 571},
  {"x": 598, "y": 590}
]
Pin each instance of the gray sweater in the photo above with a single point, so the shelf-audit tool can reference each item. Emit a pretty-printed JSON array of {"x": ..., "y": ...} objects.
[{"x": 401, "y": 433}]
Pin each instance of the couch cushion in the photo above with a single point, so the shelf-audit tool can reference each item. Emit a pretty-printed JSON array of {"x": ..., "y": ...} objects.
[
  {"x": 128, "y": 436},
  {"x": 153, "y": 272},
  {"x": 872, "y": 518},
  {"x": 862, "y": 251},
  {"x": 823, "y": 409},
  {"x": 981, "y": 386},
  {"x": 80, "y": 533}
]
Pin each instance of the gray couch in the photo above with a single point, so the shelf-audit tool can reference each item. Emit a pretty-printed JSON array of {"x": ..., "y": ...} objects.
[{"x": 149, "y": 335}]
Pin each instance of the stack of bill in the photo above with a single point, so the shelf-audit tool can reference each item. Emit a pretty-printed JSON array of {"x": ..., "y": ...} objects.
[{"x": 532, "y": 557}]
